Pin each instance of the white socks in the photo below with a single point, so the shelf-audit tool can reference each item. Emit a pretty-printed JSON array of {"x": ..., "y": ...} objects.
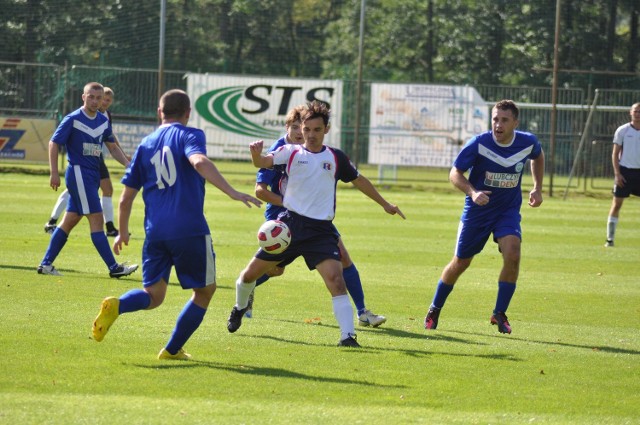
[
  {"x": 611, "y": 227},
  {"x": 107, "y": 208},
  {"x": 343, "y": 311},
  {"x": 243, "y": 290},
  {"x": 60, "y": 205}
]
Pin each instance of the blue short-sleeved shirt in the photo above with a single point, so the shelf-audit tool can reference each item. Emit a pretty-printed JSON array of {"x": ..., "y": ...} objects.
[
  {"x": 173, "y": 191},
  {"x": 496, "y": 168}
]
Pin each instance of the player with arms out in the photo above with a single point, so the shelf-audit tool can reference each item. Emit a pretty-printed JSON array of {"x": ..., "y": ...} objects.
[
  {"x": 626, "y": 167},
  {"x": 313, "y": 171},
  {"x": 493, "y": 199},
  {"x": 105, "y": 180},
  {"x": 171, "y": 167},
  {"x": 83, "y": 132},
  {"x": 269, "y": 186}
]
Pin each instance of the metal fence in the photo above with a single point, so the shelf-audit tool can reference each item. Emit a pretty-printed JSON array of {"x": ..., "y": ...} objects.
[{"x": 46, "y": 90}]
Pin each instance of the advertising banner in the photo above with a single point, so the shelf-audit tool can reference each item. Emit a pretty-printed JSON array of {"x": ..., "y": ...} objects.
[
  {"x": 25, "y": 139},
  {"x": 234, "y": 111},
  {"x": 423, "y": 125}
]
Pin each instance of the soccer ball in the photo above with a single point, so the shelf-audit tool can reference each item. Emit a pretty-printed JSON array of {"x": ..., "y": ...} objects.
[{"x": 274, "y": 236}]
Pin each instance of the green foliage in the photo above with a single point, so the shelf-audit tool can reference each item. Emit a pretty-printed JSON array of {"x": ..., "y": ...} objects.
[
  {"x": 436, "y": 41},
  {"x": 572, "y": 357}
]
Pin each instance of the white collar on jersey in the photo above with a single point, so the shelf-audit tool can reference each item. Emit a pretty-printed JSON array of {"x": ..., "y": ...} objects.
[{"x": 503, "y": 145}]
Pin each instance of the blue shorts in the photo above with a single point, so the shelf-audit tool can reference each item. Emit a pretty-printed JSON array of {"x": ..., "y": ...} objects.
[
  {"x": 193, "y": 258},
  {"x": 631, "y": 185},
  {"x": 314, "y": 240},
  {"x": 472, "y": 239},
  {"x": 83, "y": 185}
]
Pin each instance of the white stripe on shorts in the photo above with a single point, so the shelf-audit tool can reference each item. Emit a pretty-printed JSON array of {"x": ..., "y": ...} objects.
[
  {"x": 211, "y": 261},
  {"x": 82, "y": 193}
]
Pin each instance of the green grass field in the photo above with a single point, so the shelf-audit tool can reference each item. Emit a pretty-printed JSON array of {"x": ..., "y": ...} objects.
[{"x": 573, "y": 356}]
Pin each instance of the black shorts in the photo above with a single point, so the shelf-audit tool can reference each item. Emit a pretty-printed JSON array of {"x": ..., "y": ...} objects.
[
  {"x": 314, "y": 240},
  {"x": 631, "y": 185},
  {"x": 104, "y": 171}
]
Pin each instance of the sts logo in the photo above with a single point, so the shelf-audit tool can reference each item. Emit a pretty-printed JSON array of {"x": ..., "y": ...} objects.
[
  {"x": 230, "y": 108},
  {"x": 10, "y": 135}
]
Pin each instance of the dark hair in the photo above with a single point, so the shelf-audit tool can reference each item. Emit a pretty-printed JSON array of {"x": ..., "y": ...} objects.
[
  {"x": 294, "y": 115},
  {"x": 508, "y": 105},
  {"x": 174, "y": 103},
  {"x": 316, "y": 109}
]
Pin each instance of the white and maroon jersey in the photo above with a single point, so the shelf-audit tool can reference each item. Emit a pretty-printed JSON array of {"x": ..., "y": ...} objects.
[
  {"x": 629, "y": 138},
  {"x": 312, "y": 179}
]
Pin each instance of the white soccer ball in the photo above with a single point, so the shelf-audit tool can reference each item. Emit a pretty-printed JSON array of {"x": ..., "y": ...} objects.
[{"x": 274, "y": 236}]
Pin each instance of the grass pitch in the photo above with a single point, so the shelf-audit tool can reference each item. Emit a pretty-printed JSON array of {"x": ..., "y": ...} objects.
[{"x": 573, "y": 356}]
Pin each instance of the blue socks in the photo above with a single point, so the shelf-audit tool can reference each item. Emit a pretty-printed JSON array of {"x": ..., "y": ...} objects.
[
  {"x": 134, "y": 300},
  {"x": 188, "y": 321},
  {"x": 442, "y": 292},
  {"x": 505, "y": 293},
  {"x": 101, "y": 243},
  {"x": 354, "y": 286},
  {"x": 57, "y": 242}
]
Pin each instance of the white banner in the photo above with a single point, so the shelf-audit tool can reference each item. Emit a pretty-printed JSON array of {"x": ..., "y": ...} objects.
[
  {"x": 423, "y": 125},
  {"x": 236, "y": 110}
]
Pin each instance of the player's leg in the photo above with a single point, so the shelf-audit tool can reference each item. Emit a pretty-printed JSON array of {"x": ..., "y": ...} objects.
[
  {"x": 245, "y": 285},
  {"x": 352, "y": 280},
  {"x": 100, "y": 242},
  {"x": 612, "y": 220},
  {"x": 331, "y": 272},
  {"x": 106, "y": 200},
  {"x": 510, "y": 248},
  {"x": 470, "y": 241},
  {"x": 197, "y": 272},
  {"x": 56, "y": 212},
  {"x": 57, "y": 242}
]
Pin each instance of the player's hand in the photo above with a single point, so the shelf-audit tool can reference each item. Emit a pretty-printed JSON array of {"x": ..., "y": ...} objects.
[
  {"x": 480, "y": 197},
  {"x": 393, "y": 210},
  {"x": 246, "y": 199},
  {"x": 122, "y": 238},
  {"x": 54, "y": 181},
  {"x": 535, "y": 198},
  {"x": 619, "y": 180},
  {"x": 256, "y": 147}
]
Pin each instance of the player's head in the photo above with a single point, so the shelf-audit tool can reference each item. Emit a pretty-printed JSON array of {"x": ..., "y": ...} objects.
[
  {"x": 107, "y": 99},
  {"x": 635, "y": 113},
  {"x": 504, "y": 121},
  {"x": 315, "y": 124},
  {"x": 174, "y": 105},
  {"x": 92, "y": 94},
  {"x": 293, "y": 125}
]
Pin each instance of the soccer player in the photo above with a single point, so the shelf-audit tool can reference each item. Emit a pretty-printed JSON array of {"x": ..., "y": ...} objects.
[
  {"x": 313, "y": 171},
  {"x": 495, "y": 159},
  {"x": 626, "y": 167},
  {"x": 83, "y": 132},
  {"x": 105, "y": 181},
  {"x": 171, "y": 167},
  {"x": 269, "y": 184}
]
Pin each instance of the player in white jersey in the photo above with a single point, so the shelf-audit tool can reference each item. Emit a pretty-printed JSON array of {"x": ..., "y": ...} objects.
[
  {"x": 626, "y": 167},
  {"x": 496, "y": 160},
  {"x": 313, "y": 171}
]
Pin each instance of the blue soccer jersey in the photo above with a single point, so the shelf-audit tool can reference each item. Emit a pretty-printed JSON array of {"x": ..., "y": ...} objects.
[
  {"x": 496, "y": 168},
  {"x": 273, "y": 178},
  {"x": 173, "y": 205},
  {"x": 83, "y": 137}
]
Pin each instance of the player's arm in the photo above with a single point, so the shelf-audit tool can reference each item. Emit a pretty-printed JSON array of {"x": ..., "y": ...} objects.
[
  {"x": 458, "y": 179},
  {"x": 54, "y": 177},
  {"x": 259, "y": 160},
  {"x": 264, "y": 194},
  {"x": 117, "y": 153},
  {"x": 537, "y": 172},
  {"x": 124, "y": 213},
  {"x": 615, "y": 161},
  {"x": 365, "y": 186},
  {"x": 209, "y": 172}
]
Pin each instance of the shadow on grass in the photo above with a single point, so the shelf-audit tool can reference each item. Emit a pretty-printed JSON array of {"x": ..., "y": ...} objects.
[
  {"x": 606, "y": 349},
  {"x": 271, "y": 372}
]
